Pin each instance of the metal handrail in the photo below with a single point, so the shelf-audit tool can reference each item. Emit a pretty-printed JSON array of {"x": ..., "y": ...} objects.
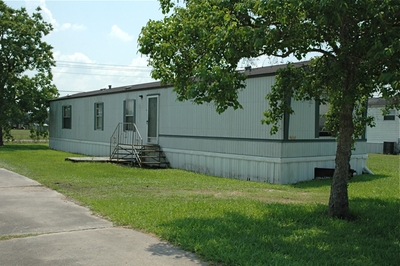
[
  {"x": 114, "y": 140},
  {"x": 126, "y": 134},
  {"x": 139, "y": 139}
]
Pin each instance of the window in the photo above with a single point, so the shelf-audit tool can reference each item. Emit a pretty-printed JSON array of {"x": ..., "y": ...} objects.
[
  {"x": 129, "y": 114},
  {"x": 390, "y": 116},
  {"x": 66, "y": 115},
  {"x": 321, "y": 111},
  {"x": 98, "y": 116}
]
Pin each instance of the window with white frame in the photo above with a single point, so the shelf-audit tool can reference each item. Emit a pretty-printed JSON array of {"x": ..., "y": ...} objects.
[
  {"x": 390, "y": 116},
  {"x": 322, "y": 110},
  {"x": 99, "y": 116},
  {"x": 129, "y": 114},
  {"x": 66, "y": 116}
]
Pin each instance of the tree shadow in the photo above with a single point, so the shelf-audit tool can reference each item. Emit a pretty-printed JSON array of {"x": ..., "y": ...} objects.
[
  {"x": 165, "y": 249},
  {"x": 367, "y": 178},
  {"x": 291, "y": 234},
  {"x": 318, "y": 183}
]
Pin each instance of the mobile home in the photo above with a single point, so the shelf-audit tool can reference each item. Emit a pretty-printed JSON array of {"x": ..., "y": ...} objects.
[
  {"x": 195, "y": 137},
  {"x": 384, "y": 137}
]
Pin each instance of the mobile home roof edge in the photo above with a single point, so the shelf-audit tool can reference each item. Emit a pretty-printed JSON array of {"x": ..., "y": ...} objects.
[
  {"x": 105, "y": 91},
  {"x": 251, "y": 73}
]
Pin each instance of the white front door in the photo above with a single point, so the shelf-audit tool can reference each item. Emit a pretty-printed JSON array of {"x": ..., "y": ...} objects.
[{"x": 152, "y": 119}]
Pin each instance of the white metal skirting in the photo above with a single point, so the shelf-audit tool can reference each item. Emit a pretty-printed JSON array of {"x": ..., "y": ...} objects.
[
  {"x": 81, "y": 147},
  {"x": 253, "y": 168},
  {"x": 244, "y": 167}
]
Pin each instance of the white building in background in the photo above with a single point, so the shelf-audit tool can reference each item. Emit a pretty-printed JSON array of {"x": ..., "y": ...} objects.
[
  {"x": 194, "y": 137},
  {"x": 384, "y": 137}
]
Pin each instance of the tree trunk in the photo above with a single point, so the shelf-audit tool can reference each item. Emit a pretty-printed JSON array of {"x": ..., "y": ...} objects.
[
  {"x": 339, "y": 201},
  {"x": 1, "y": 136}
]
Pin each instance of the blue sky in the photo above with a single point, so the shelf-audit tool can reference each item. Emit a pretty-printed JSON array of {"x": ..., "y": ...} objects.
[{"x": 95, "y": 42}]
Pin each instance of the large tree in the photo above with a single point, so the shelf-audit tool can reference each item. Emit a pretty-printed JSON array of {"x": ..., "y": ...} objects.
[
  {"x": 25, "y": 68},
  {"x": 198, "y": 45}
]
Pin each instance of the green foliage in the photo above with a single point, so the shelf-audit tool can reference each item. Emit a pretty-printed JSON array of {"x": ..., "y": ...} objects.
[
  {"x": 313, "y": 82},
  {"x": 28, "y": 135},
  {"x": 25, "y": 68},
  {"x": 198, "y": 47},
  {"x": 352, "y": 38},
  {"x": 231, "y": 222},
  {"x": 197, "y": 50},
  {"x": 37, "y": 133}
]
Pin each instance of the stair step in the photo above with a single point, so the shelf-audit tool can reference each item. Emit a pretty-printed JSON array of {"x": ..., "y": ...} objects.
[
  {"x": 123, "y": 156},
  {"x": 147, "y": 145},
  {"x": 131, "y": 149},
  {"x": 155, "y": 162},
  {"x": 124, "y": 146}
]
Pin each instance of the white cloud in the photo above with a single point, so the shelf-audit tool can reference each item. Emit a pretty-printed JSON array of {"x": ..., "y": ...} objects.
[
  {"x": 78, "y": 73},
  {"x": 76, "y": 57},
  {"x": 138, "y": 71},
  {"x": 141, "y": 61},
  {"x": 73, "y": 74},
  {"x": 67, "y": 26},
  {"x": 117, "y": 33},
  {"x": 31, "y": 6}
]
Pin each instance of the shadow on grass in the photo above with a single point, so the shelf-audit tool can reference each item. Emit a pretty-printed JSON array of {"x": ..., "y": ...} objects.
[
  {"x": 165, "y": 249},
  {"x": 24, "y": 147},
  {"x": 327, "y": 182},
  {"x": 289, "y": 234},
  {"x": 367, "y": 178}
]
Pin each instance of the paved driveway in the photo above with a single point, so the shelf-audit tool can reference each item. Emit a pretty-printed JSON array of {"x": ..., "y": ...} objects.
[{"x": 41, "y": 227}]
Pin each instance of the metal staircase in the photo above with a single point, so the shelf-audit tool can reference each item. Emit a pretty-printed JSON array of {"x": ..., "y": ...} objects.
[
  {"x": 124, "y": 143},
  {"x": 151, "y": 155},
  {"x": 126, "y": 146}
]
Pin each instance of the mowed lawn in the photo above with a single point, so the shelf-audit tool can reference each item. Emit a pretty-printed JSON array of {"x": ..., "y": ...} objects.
[
  {"x": 232, "y": 222},
  {"x": 23, "y": 135}
]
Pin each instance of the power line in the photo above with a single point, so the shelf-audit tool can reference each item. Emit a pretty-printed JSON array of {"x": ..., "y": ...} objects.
[
  {"x": 95, "y": 65},
  {"x": 96, "y": 68},
  {"x": 103, "y": 68},
  {"x": 68, "y": 91},
  {"x": 93, "y": 74}
]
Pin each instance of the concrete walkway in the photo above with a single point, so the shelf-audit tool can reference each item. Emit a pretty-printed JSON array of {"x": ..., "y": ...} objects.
[{"x": 41, "y": 227}]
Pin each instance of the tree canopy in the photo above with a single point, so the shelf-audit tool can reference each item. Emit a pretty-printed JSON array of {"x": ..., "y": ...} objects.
[
  {"x": 198, "y": 45},
  {"x": 25, "y": 68}
]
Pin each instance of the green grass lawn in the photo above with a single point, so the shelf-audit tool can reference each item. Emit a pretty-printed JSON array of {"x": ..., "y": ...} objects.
[{"x": 232, "y": 222}]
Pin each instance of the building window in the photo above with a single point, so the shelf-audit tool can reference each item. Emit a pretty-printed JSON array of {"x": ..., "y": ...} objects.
[
  {"x": 129, "y": 114},
  {"x": 321, "y": 111},
  {"x": 390, "y": 116},
  {"x": 66, "y": 113},
  {"x": 98, "y": 116}
]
